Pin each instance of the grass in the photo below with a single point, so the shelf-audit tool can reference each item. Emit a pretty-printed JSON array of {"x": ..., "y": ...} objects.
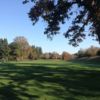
[{"x": 49, "y": 80}]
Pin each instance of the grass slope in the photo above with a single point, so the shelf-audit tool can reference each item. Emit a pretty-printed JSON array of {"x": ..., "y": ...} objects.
[{"x": 49, "y": 80}]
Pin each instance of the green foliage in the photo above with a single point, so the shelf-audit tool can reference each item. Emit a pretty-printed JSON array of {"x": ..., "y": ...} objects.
[
  {"x": 14, "y": 51},
  {"x": 35, "y": 53},
  {"x": 21, "y": 50},
  {"x": 4, "y": 50},
  {"x": 18, "y": 50},
  {"x": 38, "y": 51},
  {"x": 56, "y": 12}
]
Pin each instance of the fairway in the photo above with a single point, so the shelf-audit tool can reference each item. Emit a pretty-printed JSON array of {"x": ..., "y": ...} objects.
[{"x": 49, "y": 80}]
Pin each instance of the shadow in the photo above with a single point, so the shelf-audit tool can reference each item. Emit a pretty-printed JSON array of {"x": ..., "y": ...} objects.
[
  {"x": 91, "y": 64},
  {"x": 39, "y": 81}
]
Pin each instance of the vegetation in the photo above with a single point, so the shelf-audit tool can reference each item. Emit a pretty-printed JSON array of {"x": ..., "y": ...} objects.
[
  {"x": 98, "y": 52},
  {"x": 4, "y": 50},
  {"x": 18, "y": 50},
  {"x": 89, "y": 52},
  {"x": 49, "y": 80},
  {"x": 26, "y": 73},
  {"x": 66, "y": 56},
  {"x": 56, "y": 12}
]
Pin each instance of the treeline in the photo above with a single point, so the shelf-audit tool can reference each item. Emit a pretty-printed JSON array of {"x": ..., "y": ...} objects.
[
  {"x": 18, "y": 50},
  {"x": 89, "y": 52},
  {"x": 55, "y": 55}
]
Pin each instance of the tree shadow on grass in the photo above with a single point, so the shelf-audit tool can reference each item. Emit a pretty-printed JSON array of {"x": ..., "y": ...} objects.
[
  {"x": 7, "y": 92},
  {"x": 88, "y": 63},
  {"x": 63, "y": 83}
]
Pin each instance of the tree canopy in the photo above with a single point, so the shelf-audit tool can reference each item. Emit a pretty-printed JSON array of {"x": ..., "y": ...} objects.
[{"x": 57, "y": 12}]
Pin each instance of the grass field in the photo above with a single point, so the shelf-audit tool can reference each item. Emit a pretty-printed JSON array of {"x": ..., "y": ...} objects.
[{"x": 49, "y": 80}]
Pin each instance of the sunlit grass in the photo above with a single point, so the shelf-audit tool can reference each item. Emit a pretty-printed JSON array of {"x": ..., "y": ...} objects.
[{"x": 49, "y": 80}]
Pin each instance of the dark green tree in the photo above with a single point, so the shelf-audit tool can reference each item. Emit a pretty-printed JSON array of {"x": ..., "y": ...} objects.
[
  {"x": 36, "y": 52},
  {"x": 14, "y": 51},
  {"x": 4, "y": 49},
  {"x": 56, "y": 12},
  {"x": 39, "y": 51}
]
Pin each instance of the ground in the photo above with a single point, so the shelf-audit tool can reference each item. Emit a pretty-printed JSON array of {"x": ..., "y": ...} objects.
[{"x": 50, "y": 80}]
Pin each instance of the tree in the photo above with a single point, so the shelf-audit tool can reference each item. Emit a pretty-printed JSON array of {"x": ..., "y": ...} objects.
[
  {"x": 98, "y": 53},
  {"x": 4, "y": 49},
  {"x": 57, "y": 12},
  {"x": 38, "y": 50},
  {"x": 33, "y": 53},
  {"x": 55, "y": 55},
  {"x": 66, "y": 56},
  {"x": 92, "y": 51},
  {"x": 23, "y": 46},
  {"x": 89, "y": 52},
  {"x": 46, "y": 56},
  {"x": 81, "y": 53},
  {"x": 14, "y": 51}
]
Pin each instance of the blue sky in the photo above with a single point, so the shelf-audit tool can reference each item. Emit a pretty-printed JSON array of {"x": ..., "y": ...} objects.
[{"x": 14, "y": 22}]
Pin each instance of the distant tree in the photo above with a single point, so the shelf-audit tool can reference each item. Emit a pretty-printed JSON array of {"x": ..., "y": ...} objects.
[
  {"x": 23, "y": 46},
  {"x": 14, "y": 51},
  {"x": 19, "y": 49},
  {"x": 89, "y": 52},
  {"x": 81, "y": 53},
  {"x": 66, "y": 56},
  {"x": 54, "y": 55},
  {"x": 31, "y": 56},
  {"x": 38, "y": 51},
  {"x": 98, "y": 53},
  {"x": 92, "y": 51},
  {"x": 56, "y": 12},
  {"x": 46, "y": 55},
  {"x": 4, "y": 49},
  {"x": 33, "y": 53}
]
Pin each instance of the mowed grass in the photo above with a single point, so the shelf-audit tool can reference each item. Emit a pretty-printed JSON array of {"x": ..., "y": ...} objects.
[{"x": 49, "y": 80}]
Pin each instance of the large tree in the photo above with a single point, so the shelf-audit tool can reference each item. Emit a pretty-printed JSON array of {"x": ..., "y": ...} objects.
[{"x": 57, "y": 12}]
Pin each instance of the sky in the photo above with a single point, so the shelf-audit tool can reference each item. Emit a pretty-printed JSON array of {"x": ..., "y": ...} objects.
[{"x": 14, "y": 22}]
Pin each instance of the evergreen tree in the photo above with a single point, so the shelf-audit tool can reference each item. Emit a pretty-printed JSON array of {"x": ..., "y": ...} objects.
[
  {"x": 14, "y": 51},
  {"x": 4, "y": 49}
]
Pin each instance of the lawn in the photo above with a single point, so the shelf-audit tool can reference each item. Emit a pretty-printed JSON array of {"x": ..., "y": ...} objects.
[{"x": 49, "y": 80}]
